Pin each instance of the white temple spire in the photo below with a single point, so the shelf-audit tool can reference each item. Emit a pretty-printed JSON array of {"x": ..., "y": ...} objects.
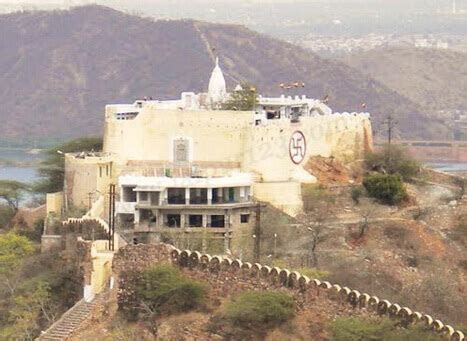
[{"x": 217, "y": 90}]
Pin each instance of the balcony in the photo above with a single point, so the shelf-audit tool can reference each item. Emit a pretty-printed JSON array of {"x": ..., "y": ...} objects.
[{"x": 125, "y": 207}]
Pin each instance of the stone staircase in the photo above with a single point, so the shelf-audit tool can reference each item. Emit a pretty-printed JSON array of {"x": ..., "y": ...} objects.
[{"x": 71, "y": 320}]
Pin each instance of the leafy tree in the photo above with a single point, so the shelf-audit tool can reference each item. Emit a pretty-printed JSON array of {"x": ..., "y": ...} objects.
[
  {"x": 244, "y": 99},
  {"x": 12, "y": 192},
  {"x": 164, "y": 289},
  {"x": 6, "y": 214},
  {"x": 260, "y": 308},
  {"x": 13, "y": 250},
  {"x": 29, "y": 306},
  {"x": 52, "y": 169},
  {"x": 388, "y": 188},
  {"x": 393, "y": 159}
]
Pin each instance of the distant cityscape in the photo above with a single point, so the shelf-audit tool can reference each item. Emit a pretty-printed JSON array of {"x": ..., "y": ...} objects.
[{"x": 341, "y": 45}]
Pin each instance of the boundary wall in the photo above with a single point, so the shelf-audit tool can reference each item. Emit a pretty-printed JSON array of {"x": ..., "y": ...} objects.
[{"x": 234, "y": 271}]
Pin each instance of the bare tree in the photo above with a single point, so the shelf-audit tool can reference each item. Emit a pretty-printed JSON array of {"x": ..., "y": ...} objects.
[{"x": 366, "y": 211}]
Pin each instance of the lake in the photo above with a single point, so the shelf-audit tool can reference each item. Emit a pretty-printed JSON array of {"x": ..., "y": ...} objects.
[
  {"x": 449, "y": 167},
  {"x": 19, "y": 165}
]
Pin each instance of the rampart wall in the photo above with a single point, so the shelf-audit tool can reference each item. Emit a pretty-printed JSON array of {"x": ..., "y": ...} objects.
[
  {"x": 225, "y": 275},
  {"x": 218, "y": 138}
]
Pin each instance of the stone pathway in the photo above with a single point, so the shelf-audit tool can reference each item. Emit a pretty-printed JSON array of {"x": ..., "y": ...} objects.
[{"x": 71, "y": 320}]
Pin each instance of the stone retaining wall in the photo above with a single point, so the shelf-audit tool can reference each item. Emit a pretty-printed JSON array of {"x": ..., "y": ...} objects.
[{"x": 225, "y": 275}]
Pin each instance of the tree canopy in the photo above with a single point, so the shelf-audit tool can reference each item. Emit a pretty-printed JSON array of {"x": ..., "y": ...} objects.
[
  {"x": 52, "y": 169},
  {"x": 244, "y": 99},
  {"x": 393, "y": 159},
  {"x": 13, "y": 192}
]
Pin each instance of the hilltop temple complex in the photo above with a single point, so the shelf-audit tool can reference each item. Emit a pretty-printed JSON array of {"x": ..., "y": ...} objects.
[{"x": 190, "y": 164}]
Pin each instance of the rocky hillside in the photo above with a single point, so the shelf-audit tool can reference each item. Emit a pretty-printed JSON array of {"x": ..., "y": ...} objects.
[
  {"x": 59, "y": 69},
  {"x": 435, "y": 79}
]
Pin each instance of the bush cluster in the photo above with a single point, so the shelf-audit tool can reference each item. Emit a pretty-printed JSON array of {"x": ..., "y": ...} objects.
[
  {"x": 393, "y": 160},
  {"x": 260, "y": 308},
  {"x": 387, "y": 188},
  {"x": 356, "y": 193},
  {"x": 383, "y": 329},
  {"x": 164, "y": 289}
]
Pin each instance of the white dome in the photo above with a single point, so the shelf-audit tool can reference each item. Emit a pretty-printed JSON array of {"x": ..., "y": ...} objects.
[{"x": 217, "y": 90}]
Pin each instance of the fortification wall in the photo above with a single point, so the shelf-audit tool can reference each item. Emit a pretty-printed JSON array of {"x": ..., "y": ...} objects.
[
  {"x": 226, "y": 275},
  {"x": 231, "y": 138},
  {"x": 85, "y": 178},
  {"x": 215, "y": 136},
  {"x": 268, "y": 153}
]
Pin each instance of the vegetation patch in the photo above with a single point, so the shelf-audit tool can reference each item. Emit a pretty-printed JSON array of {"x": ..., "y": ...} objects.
[
  {"x": 387, "y": 188},
  {"x": 383, "y": 329},
  {"x": 260, "y": 308},
  {"x": 35, "y": 288},
  {"x": 393, "y": 159},
  {"x": 165, "y": 290}
]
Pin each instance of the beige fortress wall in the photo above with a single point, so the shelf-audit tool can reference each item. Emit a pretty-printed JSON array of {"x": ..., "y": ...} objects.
[
  {"x": 286, "y": 196},
  {"x": 229, "y": 137},
  {"x": 226, "y": 138},
  {"x": 215, "y": 136},
  {"x": 344, "y": 136},
  {"x": 54, "y": 202},
  {"x": 83, "y": 176}
]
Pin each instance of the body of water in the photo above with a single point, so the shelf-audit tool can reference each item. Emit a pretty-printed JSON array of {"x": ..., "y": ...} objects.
[
  {"x": 449, "y": 167},
  {"x": 22, "y": 174},
  {"x": 19, "y": 165}
]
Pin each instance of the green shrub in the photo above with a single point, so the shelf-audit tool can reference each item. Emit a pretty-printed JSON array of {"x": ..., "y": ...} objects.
[
  {"x": 356, "y": 193},
  {"x": 393, "y": 160},
  {"x": 259, "y": 308},
  {"x": 165, "y": 290},
  {"x": 388, "y": 188},
  {"x": 383, "y": 329}
]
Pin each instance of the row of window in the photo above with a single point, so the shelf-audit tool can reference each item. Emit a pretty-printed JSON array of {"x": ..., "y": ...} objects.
[
  {"x": 107, "y": 168},
  {"x": 194, "y": 220}
]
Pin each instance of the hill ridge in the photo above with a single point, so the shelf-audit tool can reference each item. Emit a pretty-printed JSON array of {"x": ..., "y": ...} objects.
[{"x": 62, "y": 67}]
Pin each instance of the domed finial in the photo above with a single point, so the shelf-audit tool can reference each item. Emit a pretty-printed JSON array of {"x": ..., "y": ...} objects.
[{"x": 217, "y": 90}]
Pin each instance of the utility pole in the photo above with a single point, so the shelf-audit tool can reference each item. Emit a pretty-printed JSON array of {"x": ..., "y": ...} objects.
[
  {"x": 111, "y": 217},
  {"x": 390, "y": 123},
  {"x": 257, "y": 234},
  {"x": 90, "y": 199}
]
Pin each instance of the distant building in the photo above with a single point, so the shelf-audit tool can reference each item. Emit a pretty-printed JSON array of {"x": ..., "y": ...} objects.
[{"x": 188, "y": 164}]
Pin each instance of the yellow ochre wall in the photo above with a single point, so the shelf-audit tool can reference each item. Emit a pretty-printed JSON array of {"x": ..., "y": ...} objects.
[
  {"x": 232, "y": 136},
  {"x": 226, "y": 140},
  {"x": 217, "y": 136}
]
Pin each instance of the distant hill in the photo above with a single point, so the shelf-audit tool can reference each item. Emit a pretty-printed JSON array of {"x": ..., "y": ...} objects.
[
  {"x": 436, "y": 79},
  {"x": 58, "y": 70}
]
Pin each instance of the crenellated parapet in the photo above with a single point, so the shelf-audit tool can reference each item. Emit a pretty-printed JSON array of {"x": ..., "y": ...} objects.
[{"x": 266, "y": 277}]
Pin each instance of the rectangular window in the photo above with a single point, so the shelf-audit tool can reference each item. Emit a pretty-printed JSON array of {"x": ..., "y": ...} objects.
[
  {"x": 107, "y": 170},
  {"x": 198, "y": 196},
  {"x": 129, "y": 195},
  {"x": 242, "y": 192},
  {"x": 100, "y": 171},
  {"x": 195, "y": 220},
  {"x": 231, "y": 194},
  {"x": 173, "y": 220},
  {"x": 244, "y": 218},
  {"x": 217, "y": 221},
  {"x": 180, "y": 150},
  {"x": 143, "y": 196},
  {"x": 176, "y": 196}
]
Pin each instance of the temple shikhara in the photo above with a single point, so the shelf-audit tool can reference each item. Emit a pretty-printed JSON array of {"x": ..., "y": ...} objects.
[{"x": 190, "y": 164}]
